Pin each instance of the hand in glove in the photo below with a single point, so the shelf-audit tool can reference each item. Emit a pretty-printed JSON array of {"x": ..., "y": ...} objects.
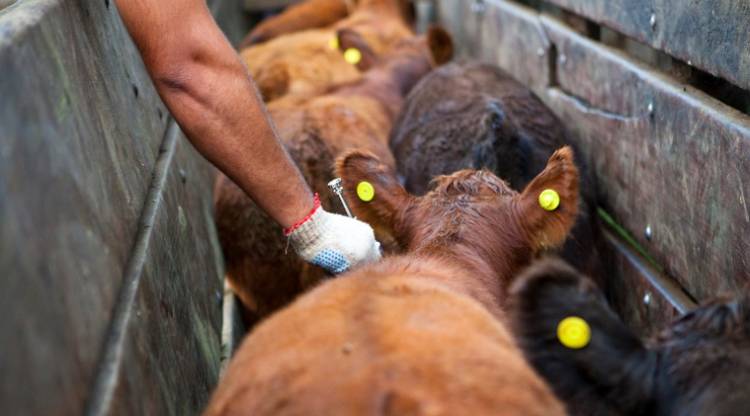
[{"x": 333, "y": 242}]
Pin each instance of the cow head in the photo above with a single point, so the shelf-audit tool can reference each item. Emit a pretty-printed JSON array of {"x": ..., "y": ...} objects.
[
  {"x": 436, "y": 46},
  {"x": 700, "y": 365},
  {"x": 471, "y": 215}
]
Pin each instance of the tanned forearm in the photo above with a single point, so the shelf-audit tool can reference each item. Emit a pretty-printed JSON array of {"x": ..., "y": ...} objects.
[{"x": 211, "y": 96}]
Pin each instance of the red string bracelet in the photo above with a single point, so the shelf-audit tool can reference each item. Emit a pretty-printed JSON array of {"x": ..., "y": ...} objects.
[{"x": 316, "y": 205}]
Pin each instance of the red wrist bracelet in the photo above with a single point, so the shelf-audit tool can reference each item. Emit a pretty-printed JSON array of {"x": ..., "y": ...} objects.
[{"x": 316, "y": 205}]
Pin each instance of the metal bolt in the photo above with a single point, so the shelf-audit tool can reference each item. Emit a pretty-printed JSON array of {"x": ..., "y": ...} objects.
[
  {"x": 648, "y": 233},
  {"x": 652, "y": 20},
  {"x": 650, "y": 108},
  {"x": 478, "y": 6},
  {"x": 219, "y": 298},
  {"x": 647, "y": 298},
  {"x": 337, "y": 188}
]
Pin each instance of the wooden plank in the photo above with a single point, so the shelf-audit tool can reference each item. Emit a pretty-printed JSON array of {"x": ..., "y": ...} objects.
[
  {"x": 501, "y": 33},
  {"x": 710, "y": 34},
  {"x": 79, "y": 142},
  {"x": 680, "y": 169},
  {"x": 172, "y": 353},
  {"x": 6, "y": 3},
  {"x": 652, "y": 300},
  {"x": 232, "y": 19},
  {"x": 77, "y": 146}
]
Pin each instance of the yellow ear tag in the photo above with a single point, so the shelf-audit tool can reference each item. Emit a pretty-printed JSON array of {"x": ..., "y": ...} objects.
[
  {"x": 573, "y": 332},
  {"x": 352, "y": 56},
  {"x": 549, "y": 200},
  {"x": 365, "y": 191},
  {"x": 333, "y": 43}
]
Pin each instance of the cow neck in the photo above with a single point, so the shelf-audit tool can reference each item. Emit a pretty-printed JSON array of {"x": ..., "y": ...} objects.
[{"x": 481, "y": 274}]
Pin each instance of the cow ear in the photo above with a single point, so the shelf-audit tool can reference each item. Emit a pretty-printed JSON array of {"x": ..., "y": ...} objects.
[
  {"x": 374, "y": 193},
  {"x": 549, "y": 204},
  {"x": 273, "y": 81},
  {"x": 608, "y": 372},
  {"x": 355, "y": 49},
  {"x": 440, "y": 43}
]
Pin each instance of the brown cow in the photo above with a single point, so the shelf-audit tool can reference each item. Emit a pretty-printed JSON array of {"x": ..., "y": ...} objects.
[
  {"x": 315, "y": 131},
  {"x": 309, "y": 63},
  {"x": 699, "y": 365},
  {"x": 310, "y": 14},
  {"x": 474, "y": 115},
  {"x": 415, "y": 334}
]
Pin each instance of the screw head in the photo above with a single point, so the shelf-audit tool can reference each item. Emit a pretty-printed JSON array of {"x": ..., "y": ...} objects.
[
  {"x": 647, "y": 298},
  {"x": 652, "y": 20},
  {"x": 478, "y": 6},
  {"x": 219, "y": 298},
  {"x": 650, "y": 108},
  {"x": 648, "y": 233}
]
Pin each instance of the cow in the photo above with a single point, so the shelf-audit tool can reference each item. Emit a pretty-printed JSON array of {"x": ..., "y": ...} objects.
[
  {"x": 698, "y": 365},
  {"x": 474, "y": 115},
  {"x": 310, "y": 14},
  {"x": 419, "y": 333},
  {"x": 311, "y": 61},
  {"x": 315, "y": 130}
]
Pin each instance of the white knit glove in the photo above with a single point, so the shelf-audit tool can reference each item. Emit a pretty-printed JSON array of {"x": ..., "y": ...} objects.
[{"x": 334, "y": 242}]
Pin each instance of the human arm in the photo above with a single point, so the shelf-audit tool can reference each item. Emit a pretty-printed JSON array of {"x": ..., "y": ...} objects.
[{"x": 207, "y": 89}]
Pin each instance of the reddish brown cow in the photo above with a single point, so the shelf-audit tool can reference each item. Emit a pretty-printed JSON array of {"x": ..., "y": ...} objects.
[
  {"x": 698, "y": 365},
  {"x": 315, "y": 131},
  {"x": 310, "y": 14},
  {"x": 415, "y": 334},
  {"x": 308, "y": 63},
  {"x": 474, "y": 115}
]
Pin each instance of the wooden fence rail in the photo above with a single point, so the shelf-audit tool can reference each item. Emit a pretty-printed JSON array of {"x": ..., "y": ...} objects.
[
  {"x": 110, "y": 270},
  {"x": 668, "y": 158}
]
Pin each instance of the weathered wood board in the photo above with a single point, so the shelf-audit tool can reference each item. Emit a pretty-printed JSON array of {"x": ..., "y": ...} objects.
[
  {"x": 666, "y": 156},
  {"x": 681, "y": 167},
  {"x": 713, "y": 35},
  {"x": 76, "y": 151},
  {"x": 647, "y": 300},
  {"x": 82, "y": 153},
  {"x": 172, "y": 355}
]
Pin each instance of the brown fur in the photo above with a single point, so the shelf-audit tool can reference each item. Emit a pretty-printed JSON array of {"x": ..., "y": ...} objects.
[
  {"x": 471, "y": 218},
  {"x": 310, "y": 14},
  {"x": 304, "y": 62},
  {"x": 474, "y": 115},
  {"x": 414, "y": 334},
  {"x": 315, "y": 131}
]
